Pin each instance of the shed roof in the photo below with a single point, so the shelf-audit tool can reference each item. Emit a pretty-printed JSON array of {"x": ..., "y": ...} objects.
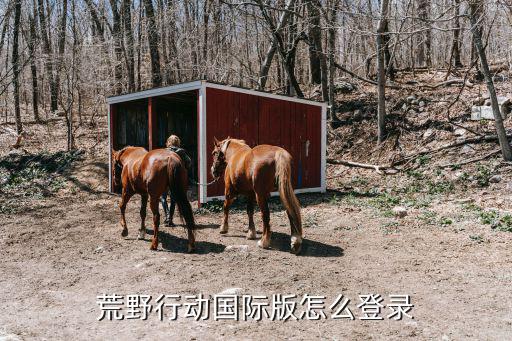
[{"x": 194, "y": 85}]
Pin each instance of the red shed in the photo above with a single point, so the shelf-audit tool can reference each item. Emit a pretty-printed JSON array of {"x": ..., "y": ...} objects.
[{"x": 199, "y": 111}]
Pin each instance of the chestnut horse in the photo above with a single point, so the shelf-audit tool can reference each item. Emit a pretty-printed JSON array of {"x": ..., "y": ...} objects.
[
  {"x": 150, "y": 174},
  {"x": 253, "y": 172}
]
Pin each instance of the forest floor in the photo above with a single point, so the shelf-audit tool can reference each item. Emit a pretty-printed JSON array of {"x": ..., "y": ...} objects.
[{"x": 61, "y": 244}]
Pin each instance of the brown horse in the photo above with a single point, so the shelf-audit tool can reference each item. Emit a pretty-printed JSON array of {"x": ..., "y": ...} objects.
[
  {"x": 253, "y": 172},
  {"x": 150, "y": 174}
]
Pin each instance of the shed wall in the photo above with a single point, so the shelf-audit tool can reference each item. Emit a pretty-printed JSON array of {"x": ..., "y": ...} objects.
[{"x": 296, "y": 127}]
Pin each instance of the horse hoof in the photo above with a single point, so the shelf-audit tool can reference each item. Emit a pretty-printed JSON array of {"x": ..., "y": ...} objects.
[
  {"x": 296, "y": 248},
  {"x": 124, "y": 233},
  {"x": 251, "y": 234},
  {"x": 141, "y": 236},
  {"x": 223, "y": 231},
  {"x": 296, "y": 245},
  {"x": 263, "y": 244},
  {"x": 191, "y": 249},
  {"x": 153, "y": 247}
]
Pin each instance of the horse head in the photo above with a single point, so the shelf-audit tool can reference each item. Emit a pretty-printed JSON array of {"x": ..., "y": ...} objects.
[
  {"x": 219, "y": 157},
  {"x": 118, "y": 166}
]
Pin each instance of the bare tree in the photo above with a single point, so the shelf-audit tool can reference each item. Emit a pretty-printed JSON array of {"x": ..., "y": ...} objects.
[
  {"x": 381, "y": 69},
  {"x": 456, "y": 36},
  {"x": 331, "y": 48},
  {"x": 287, "y": 56},
  {"x": 47, "y": 50},
  {"x": 315, "y": 43},
  {"x": 269, "y": 56},
  {"x": 153, "y": 39},
  {"x": 15, "y": 65},
  {"x": 425, "y": 43},
  {"x": 128, "y": 33},
  {"x": 31, "y": 39},
  {"x": 118, "y": 47},
  {"x": 477, "y": 38}
]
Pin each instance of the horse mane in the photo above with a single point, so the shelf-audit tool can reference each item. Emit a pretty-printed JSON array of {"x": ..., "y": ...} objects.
[
  {"x": 119, "y": 152},
  {"x": 239, "y": 141}
]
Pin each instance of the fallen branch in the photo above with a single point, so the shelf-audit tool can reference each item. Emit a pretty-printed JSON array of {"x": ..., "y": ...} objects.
[
  {"x": 487, "y": 138},
  {"x": 476, "y": 159},
  {"x": 354, "y": 75},
  {"x": 383, "y": 170},
  {"x": 448, "y": 83}
]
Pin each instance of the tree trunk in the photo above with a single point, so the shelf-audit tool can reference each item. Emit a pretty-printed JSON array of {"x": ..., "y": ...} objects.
[
  {"x": 331, "y": 48},
  {"x": 156, "y": 76},
  {"x": 31, "y": 38},
  {"x": 315, "y": 43},
  {"x": 477, "y": 38},
  {"x": 269, "y": 56},
  {"x": 206, "y": 18},
  {"x": 139, "y": 48},
  {"x": 387, "y": 53},
  {"x": 265, "y": 66},
  {"x": 291, "y": 53},
  {"x": 128, "y": 33},
  {"x": 47, "y": 50},
  {"x": 381, "y": 70},
  {"x": 98, "y": 30},
  {"x": 456, "y": 36},
  {"x": 61, "y": 43},
  {"x": 289, "y": 67},
  {"x": 118, "y": 47},
  {"x": 424, "y": 52},
  {"x": 15, "y": 65}
]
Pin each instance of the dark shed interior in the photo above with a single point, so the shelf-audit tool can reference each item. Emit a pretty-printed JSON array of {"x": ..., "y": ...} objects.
[
  {"x": 177, "y": 114},
  {"x": 131, "y": 124},
  {"x": 172, "y": 114}
]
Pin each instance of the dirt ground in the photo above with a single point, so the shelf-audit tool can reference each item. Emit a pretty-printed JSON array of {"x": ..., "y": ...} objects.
[
  {"x": 57, "y": 257},
  {"x": 61, "y": 244}
]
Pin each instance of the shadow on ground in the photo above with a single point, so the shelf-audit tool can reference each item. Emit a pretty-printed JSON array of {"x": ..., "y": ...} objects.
[
  {"x": 175, "y": 244},
  {"x": 310, "y": 248}
]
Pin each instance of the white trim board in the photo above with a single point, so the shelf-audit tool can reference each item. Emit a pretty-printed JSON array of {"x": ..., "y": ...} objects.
[
  {"x": 110, "y": 189},
  {"x": 202, "y": 167},
  {"x": 195, "y": 85},
  {"x": 172, "y": 89},
  {"x": 323, "y": 150},
  {"x": 275, "y": 194}
]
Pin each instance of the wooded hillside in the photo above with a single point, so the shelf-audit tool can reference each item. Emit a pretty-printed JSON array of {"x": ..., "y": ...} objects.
[{"x": 64, "y": 57}]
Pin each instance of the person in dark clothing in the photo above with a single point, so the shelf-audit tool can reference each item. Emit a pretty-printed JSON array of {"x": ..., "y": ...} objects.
[{"x": 174, "y": 144}]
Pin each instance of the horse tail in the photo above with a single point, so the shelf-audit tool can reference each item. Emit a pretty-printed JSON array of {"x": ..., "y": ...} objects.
[
  {"x": 283, "y": 161},
  {"x": 178, "y": 188}
]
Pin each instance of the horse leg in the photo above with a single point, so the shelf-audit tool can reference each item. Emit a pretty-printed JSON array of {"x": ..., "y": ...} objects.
[
  {"x": 251, "y": 233},
  {"x": 125, "y": 197},
  {"x": 170, "y": 217},
  {"x": 191, "y": 241},
  {"x": 296, "y": 235},
  {"x": 265, "y": 214},
  {"x": 143, "y": 209},
  {"x": 163, "y": 200},
  {"x": 227, "y": 202},
  {"x": 153, "y": 204}
]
